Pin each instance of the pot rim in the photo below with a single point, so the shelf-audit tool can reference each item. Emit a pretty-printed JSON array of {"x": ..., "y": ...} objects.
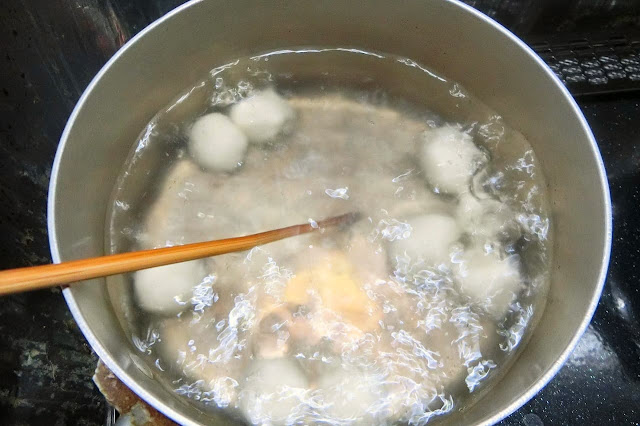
[{"x": 180, "y": 418}]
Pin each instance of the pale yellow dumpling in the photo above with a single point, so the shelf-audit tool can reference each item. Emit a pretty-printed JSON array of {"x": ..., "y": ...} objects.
[{"x": 334, "y": 282}]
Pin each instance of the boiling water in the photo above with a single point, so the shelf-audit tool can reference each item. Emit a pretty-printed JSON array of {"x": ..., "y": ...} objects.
[{"x": 342, "y": 326}]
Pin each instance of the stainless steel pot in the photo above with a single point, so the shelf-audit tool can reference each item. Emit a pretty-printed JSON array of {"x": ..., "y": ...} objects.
[{"x": 449, "y": 37}]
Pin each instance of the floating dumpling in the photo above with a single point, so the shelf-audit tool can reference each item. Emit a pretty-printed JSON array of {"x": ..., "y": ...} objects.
[
  {"x": 167, "y": 289},
  {"x": 430, "y": 239},
  {"x": 217, "y": 144},
  {"x": 449, "y": 158},
  {"x": 262, "y": 116},
  {"x": 272, "y": 392},
  {"x": 489, "y": 280}
]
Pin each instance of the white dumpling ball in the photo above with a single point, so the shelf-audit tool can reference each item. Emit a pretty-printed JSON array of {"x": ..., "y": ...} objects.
[
  {"x": 430, "y": 239},
  {"x": 347, "y": 396},
  {"x": 484, "y": 219},
  {"x": 488, "y": 279},
  {"x": 262, "y": 116},
  {"x": 449, "y": 158},
  {"x": 272, "y": 391},
  {"x": 216, "y": 143},
  {"x": 167, "y": 289}
]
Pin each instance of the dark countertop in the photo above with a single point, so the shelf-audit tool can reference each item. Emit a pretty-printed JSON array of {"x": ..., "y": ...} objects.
[{"x": 51, "y": 50}]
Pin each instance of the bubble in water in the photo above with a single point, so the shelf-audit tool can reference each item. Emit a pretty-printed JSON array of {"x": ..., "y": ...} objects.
[{"x": 338, "y": 193}]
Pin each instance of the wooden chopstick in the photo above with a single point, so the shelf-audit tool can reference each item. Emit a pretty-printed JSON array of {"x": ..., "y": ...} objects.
[{"x": 36, "y": 277}]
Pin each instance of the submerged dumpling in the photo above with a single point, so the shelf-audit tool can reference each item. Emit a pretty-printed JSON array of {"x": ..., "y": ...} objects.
[
  {"x": 348, "y": 396},
  {"x": 167, "y": 289},
  {"x": 262, "y": 116},
  {"x": 189, "y": 344},
  {"x": 216, "y": 143},
  {"x": 273, "y": 391},
  {"x": 488, "y": 279},
  {"x": 449, "y": 158},
  {"x": 430, "y": 240},
  {"x": 332, "y": 286},
  {"x": 484, "y": 219}
]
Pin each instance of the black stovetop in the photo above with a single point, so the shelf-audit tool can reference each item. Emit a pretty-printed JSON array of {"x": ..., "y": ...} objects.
[{"x": 52, "y": 48}]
